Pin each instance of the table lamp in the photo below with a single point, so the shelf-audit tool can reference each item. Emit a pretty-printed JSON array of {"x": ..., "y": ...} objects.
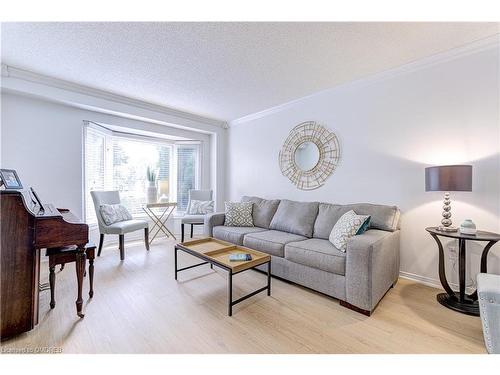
[
  {"x": 164, "y": 192},
  {"x": 448, "y": 178}
]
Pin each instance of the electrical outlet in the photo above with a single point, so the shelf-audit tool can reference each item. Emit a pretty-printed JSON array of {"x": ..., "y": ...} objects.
[{"x": 452, "y": 250}]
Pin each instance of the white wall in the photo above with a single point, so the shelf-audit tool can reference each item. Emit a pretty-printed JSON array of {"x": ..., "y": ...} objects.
[
  {"x": 43, "y": 141},
  {"x": 390, "y": 128}
]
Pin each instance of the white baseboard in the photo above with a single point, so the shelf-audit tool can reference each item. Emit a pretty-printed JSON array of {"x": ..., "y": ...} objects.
[{"x": 430, "y": 281}]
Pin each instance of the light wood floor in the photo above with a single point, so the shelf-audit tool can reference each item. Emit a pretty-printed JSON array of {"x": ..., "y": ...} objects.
[{"x": 138, "y": 307}]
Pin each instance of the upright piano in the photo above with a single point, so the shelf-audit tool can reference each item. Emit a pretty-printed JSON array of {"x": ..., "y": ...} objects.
[{"x": 28, "y": 225}]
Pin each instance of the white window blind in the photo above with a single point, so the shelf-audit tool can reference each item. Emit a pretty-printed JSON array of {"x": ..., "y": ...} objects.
[
  {"x": 114, "y": 161},
  {"x": 95, "y": 160},
  {"x": 131, "y": 159},
  {"x": 187, "y": 173}
]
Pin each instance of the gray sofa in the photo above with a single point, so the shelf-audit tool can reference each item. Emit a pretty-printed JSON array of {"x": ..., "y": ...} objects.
[{"x": 295, "y": 234}]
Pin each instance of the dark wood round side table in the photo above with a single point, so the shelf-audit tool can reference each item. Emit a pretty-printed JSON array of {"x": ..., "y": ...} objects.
[{"x": 459, "y": 301}]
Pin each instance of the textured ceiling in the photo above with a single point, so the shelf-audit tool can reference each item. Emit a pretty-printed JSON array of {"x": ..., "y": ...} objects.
[{"x": 224, "y": 70}]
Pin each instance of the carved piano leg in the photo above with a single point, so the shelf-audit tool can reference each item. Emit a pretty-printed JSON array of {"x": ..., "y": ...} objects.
[
  {"x": 52, "y": 282},
  {"x": 91, "y": 277},
  {"x": 80, "y": 268},
  {"x": 101, "y": 241}
]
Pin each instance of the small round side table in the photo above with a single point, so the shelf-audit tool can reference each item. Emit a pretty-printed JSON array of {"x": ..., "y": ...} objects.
[{"x": 459, "y": 301}]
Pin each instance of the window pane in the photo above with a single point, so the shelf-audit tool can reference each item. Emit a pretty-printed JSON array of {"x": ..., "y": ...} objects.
[
  {"x": 131, "y": 159},
  {"x": 187, "y": 158},
  {"x": 120, "y": 163},
  {"x": 94, "y": 169}
]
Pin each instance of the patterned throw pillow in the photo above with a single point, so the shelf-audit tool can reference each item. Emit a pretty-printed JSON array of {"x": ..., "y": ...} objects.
[
  {"x": 113, "y": 213},
  {"x": 346, "y": 227},
  {"x": 238, "y": 214},
  {"x": 200, "y": 207}
]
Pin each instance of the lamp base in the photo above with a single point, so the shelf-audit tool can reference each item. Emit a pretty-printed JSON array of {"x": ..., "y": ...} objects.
[{"x": 447, "y": 229}]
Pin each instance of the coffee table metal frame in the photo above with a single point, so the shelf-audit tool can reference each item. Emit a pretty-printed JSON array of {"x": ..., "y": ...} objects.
[{"x": 230, "y": 272}]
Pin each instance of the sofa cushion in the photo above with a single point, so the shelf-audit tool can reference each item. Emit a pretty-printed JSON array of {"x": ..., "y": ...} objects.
[
  {"x": 270, "y": 241},
  {"x": 316, "y": 253},
  {"x": 233, "y": 234},
  {"x": 346, "y": 227},
  {"x": 238, "y": 214},
  {"x": 263, "y": 210},
  {"x": 295, "y": 217},
  {"x": 382, "y": 217}
]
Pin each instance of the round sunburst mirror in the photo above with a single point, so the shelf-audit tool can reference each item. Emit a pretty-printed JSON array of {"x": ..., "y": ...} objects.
[{"x": 309, "y": 155}]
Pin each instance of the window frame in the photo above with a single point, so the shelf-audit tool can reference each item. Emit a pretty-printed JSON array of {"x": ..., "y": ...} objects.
[{"x": 110, "y": 135}]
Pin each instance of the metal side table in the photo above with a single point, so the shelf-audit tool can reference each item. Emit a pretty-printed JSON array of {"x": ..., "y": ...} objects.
[{"x": 159, "y": 213}]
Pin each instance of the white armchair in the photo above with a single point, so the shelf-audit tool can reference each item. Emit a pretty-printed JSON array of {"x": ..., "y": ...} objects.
[
  {"x": 119, "y": 228},
  {"x": 488, "y": 293},
  {"x": 201, "y": 195}
]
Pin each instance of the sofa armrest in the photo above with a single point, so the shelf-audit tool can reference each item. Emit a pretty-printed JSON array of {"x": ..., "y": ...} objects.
[
  {"x": 372, "y": 267},
  {"x": 211, "y": 221}
]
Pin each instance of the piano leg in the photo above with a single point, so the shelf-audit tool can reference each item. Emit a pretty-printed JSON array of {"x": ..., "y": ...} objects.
[
  {"x": 80, "y": 269},
  {"x": 91, "y": 277},
  {"x": 52, "y": 282}
]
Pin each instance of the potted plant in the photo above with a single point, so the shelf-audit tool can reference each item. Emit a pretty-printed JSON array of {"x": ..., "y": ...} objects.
[{"x": 152, "y": 192}]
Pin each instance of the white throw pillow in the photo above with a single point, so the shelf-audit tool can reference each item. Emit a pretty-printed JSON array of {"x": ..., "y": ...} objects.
[
  {"x": 113, "y": 213},
  {"x": 200, "y": 207},
  {"x": 238, "y": 214},
  {"x": 346, "y": 227}
]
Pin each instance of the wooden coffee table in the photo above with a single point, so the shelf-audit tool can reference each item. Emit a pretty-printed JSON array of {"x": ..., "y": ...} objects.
[{"x": 216, "y": 253}]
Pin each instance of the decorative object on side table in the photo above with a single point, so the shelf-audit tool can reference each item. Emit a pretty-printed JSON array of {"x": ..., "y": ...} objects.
[
  {"x": 164, "y": 191},
  {"x": 152, "y": 192},
  {"x": 448, "y": 178},
  {"x": 460, "y": 301},
  {"x": 309, "y": 155},
  {"x": 468, "y": 227}
]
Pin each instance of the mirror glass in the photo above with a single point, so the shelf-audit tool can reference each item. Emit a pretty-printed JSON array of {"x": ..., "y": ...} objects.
[{"x": 307, "y": 156}]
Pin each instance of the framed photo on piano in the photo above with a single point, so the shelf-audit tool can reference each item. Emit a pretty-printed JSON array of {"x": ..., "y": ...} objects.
[{"x": 10, "y": 179}]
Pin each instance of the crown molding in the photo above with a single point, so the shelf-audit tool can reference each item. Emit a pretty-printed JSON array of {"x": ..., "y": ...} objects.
[
  {"x": 480, "y": 45},
  {"x": 9, "y": 71}
]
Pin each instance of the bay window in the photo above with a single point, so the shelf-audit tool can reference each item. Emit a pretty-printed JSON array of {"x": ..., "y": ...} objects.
[{"x": 118, "y": 161}]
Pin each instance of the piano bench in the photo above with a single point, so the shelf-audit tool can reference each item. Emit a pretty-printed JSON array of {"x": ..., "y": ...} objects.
[{"x": 68, "y": 254}]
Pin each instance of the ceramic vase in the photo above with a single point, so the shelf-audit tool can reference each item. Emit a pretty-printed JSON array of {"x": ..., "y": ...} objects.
[
  {"x": 152, "y": 192},
  {"x": 468, "y": 227}
]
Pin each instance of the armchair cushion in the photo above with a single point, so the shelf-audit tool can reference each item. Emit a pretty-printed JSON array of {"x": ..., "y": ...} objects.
[
  {"x": 113, "y": 213},
  {"x": 198, "y": 207},
  {"x": 128, "y": 226},
  {"x": 193, "y": 219}
]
